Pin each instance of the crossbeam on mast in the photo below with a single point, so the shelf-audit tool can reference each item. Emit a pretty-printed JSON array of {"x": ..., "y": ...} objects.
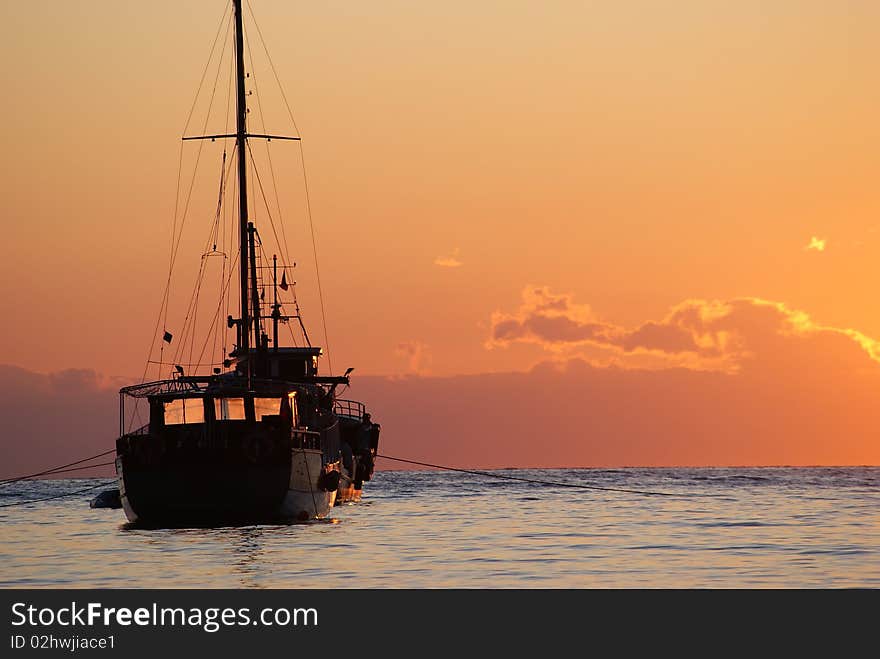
[{"x": 248, "y": 135}]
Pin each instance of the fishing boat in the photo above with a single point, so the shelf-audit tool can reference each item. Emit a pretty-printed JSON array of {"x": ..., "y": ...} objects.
[{"x": 261, "y": 437}]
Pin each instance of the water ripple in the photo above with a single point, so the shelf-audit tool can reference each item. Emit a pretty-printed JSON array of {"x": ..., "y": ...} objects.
[{"x": 772, "y": 527}]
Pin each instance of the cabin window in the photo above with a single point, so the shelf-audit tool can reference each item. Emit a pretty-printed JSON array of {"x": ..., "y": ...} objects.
[
  {"x": 229, "y": 409},
  {"x": 266, "y": 407},
  {"x": 184, "y": 410}
]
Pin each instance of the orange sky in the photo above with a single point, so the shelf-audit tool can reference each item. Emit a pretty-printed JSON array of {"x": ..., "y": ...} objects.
[{"x": 625, "y": 157}]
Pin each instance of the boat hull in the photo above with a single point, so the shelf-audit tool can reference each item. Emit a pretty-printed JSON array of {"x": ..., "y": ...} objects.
[
  {"x": 305, "y": 497},
  {"x": 254, "y": 480}
]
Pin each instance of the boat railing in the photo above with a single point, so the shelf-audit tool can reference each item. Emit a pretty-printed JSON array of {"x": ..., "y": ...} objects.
[
  {"x": 179, "y": 386},
  {"x": 349, "y": 408}
]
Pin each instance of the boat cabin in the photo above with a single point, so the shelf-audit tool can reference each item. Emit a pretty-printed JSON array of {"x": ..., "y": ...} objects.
[
  {"x": 205, "y": 407},
  {"x": 291, "y": 364}
]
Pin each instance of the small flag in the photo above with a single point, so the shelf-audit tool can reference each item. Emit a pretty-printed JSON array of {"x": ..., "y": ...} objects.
[
  {"x": 284, "y": 285},
  {"x": 167, "y": 338}
]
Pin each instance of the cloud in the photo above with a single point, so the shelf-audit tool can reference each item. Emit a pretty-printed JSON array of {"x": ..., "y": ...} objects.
[
  {"x": 449, "y": 261},
  {"x": 721, "y": 335},
  {"x": 417, "y": 354},
  {"x": 816, "y": 244}
]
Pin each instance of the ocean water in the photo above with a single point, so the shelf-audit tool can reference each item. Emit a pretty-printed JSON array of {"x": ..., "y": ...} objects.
[{"x": 729, "y": 528}]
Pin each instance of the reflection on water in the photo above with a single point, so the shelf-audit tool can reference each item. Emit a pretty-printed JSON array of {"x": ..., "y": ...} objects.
[{"x": 731, "y": 528}]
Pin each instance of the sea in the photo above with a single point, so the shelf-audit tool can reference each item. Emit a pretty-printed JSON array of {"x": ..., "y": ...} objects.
[{"x": 681, "y": 528}]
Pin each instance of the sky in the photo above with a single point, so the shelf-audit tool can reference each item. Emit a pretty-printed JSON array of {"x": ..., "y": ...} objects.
[{"x": 614, "y": 193}]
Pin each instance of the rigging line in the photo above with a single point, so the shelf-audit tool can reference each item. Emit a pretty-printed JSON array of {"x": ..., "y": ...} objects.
[
  {"x": 189, "y": 318},
  {"x": 205, "y": 72},
  {"x": 224, "y": 178},
  {"x": 203, "y": 268},
  {"x": 188, "y": 365},
  {"x": 212, "y": 238},
  {"x": 231, "y": 223},
  {"x": 190, "y": 313},
  {"x": 191, "y": 333},
  {"x": 47, "y": 471},
  {"x": 315, "y": 252},
  {"x": 301, "y": 325},
  {"x": 229, "y": 241},
  {"x": 215, "y": 227},
  {"x": 175, "y": 245},
  {"x": 292, "y": 335},
  {"x": 309, "y": 476},
  {"x": 188, "y": 331},
  {"x": 214, "y": 320},
  {"x": 272, "y": 65},
  {"x": 58, "y": 496},
  {"x": 226, "y": 125},
  {"x": 223, "y": 218},
  {"x": 195, "y": 316},
  {"x": 163, "y": 309},
  {"x": 179, "y": 236},
  {"x": 305, "y": 182},
  {"x": 63, "y": 471},
  {"x": 539, "y": 482},
  {"x": 285, "y": 248},
  {"x": 196, "y": 166},
  {"x": 265, "y": 201},
  {"x": 215, "y": 324}
]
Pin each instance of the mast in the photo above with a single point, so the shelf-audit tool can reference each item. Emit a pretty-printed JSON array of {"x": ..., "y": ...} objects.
[{"x": 241, "y": 143}]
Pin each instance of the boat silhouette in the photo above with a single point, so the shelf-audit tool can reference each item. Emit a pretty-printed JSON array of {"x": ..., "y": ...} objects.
[{"x": 262, "y": 437}]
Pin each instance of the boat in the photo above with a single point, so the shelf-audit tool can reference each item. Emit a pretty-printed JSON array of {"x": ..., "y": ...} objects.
[{"x": 262, "y": 437}]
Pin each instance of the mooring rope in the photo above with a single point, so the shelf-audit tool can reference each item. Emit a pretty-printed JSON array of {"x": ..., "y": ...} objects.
[
  {"x": 57, "y": 496},
  {"x": 475, "y": 472},
  {"x": 536, "y": 481},
  {"x": 59, "y": 468}
]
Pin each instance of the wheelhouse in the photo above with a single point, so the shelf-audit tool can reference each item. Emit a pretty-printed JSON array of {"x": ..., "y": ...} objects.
[
  {"x": 190, "y": 402},
  {"x": 222, "y": 408}
]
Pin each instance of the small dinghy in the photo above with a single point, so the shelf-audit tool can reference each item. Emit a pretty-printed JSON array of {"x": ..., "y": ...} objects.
[{"x": 107, "y": 499}]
